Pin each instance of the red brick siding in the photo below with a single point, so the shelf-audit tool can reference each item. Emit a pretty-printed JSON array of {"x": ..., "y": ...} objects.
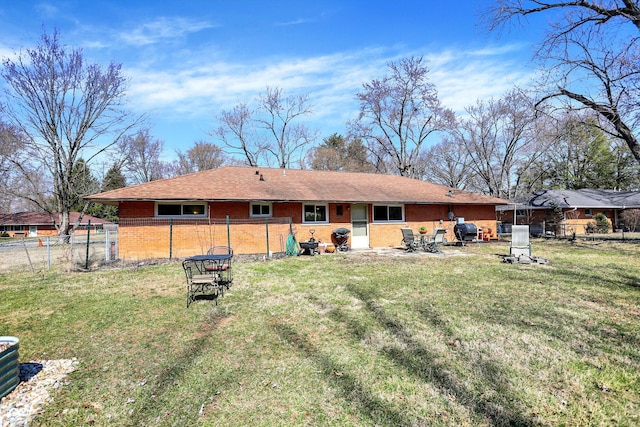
[
  {"x": 152, "y": 241},
  {"x": 136, "y": 210}
]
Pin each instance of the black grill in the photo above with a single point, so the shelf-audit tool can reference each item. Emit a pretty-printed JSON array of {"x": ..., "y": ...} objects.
[{"x": 465, "y": 232}]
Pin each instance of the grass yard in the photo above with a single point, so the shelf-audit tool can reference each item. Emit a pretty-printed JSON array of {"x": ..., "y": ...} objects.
[{"x": 345, "y": 340}]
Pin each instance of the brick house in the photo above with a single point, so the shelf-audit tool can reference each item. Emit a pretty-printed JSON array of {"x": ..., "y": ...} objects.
[
  {"x": 39, "y": 224},
  {"x": 373, "y": 206},
  {"x": 567, "y": 211}
]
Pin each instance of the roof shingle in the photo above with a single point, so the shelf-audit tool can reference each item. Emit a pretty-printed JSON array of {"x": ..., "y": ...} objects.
[
  {"x": 232, "y": 183},
  {"x": 584, "y": 198}
]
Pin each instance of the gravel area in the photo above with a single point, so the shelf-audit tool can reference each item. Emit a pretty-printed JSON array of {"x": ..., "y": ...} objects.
[{"x": 18, "y": 408}]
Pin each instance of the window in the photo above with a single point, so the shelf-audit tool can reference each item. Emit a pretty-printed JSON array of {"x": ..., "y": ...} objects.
[
  {"x": 588, "y": 212},
  {"x": 314, "y": 213},
  {"x": 386, "y": 213},
  {"x": 182, "y": 209},
  {"x": 339, "y": 210},
  {"x": 260, "y": 209}
]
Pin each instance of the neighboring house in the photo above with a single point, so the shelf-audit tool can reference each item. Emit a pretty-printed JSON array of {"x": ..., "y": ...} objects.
[
  {"x": 372, "y": 206},
  {"x": 38, "y": 224},
  {"x": 567, "y": 211}
]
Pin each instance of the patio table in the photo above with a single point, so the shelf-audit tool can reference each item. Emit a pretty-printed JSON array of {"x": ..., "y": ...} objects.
[{"x": 207, "y": 276}]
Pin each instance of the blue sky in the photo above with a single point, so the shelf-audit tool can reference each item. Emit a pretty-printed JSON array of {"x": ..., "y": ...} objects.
[{"x": 187, "y": 60}]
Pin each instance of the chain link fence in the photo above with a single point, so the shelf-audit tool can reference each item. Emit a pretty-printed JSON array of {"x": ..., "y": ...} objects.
[
  {"x": 82, "y": 250},
  {"x": 146, "y": 238}
]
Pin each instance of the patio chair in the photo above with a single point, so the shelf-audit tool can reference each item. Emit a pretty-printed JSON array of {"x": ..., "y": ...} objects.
[
  {"x": 436, "y": 240},
  {"x": 520, "y": 244},
  {"x": 201, "y": 284},
  {"x": 409, "y": 240},
  {"x": 222, "y": 267}
]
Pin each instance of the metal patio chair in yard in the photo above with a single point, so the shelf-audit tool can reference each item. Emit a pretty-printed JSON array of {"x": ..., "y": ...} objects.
[
  {"x": 208, "y": 275},
  {"x": 222, "y": 266},
  {"x": 436, "y": 240},
  {"x": 409, "y": 240}
]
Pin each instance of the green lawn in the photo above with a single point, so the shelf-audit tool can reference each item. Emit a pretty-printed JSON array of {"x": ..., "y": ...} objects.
[{"x": 345, "y": 340}]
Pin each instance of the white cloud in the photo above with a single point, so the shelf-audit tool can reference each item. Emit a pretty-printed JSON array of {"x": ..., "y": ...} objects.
[
  {"x": 294, "y": 22},
  {"x": 46, "y": 10},
  {"x": 332, "y": 81},
  {"x": 463, "y": 77},
  {"x": 163, "y": 29}
]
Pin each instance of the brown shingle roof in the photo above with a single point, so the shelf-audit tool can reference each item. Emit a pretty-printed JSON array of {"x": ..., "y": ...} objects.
[{"x": 233, "y": 183}]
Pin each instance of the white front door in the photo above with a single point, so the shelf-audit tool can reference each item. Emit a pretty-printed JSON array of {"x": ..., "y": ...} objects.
[
  {"x": 359, "y": 227},
  {"x": 33, "y": 231}
]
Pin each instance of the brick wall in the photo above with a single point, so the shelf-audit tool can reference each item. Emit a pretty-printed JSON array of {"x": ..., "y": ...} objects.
[{"x": 143, "y": 237}]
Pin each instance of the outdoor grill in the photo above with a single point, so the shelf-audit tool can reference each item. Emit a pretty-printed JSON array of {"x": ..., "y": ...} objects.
[
  {"x": 465, "y": 232},
  {"x": 340, "y": 237},
  {"x": 310, "y": 247}
]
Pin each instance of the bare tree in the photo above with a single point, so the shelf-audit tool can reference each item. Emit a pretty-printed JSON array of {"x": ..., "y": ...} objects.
[
  {"x": 500, "y": 139},
  {"x": 142, "y": 157},
  {"x": 280, "y": 115},
  {"x": 21, "y": 187},
  {"x": 592, "y": 52},
  {"x": 447, "y": 163},
  {"x": 398, "y": 112},
  {"x": 269, "y": 132},
  {"x": 238, "y": 133},
  {"x": 65, "y": 108},
  {"x": 202, "y": 156}
]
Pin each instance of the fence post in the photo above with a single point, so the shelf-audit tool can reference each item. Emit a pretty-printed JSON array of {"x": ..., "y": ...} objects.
[
  {"x": 48, "y": 253},
  {"x": 106, "y": 246},
  {"x": 266, "y": 224},
  {"x": 170, "y": 238},
  {"x": 228, "y": 233},
  {"x": 86, "y": 261}
]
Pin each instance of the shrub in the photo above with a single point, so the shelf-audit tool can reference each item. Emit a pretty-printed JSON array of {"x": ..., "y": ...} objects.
[
  {"x": 631, "y": 219},
  {"x": 602, "y": 223}
]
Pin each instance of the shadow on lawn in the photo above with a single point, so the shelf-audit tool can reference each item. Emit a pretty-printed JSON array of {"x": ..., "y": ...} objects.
[
  {"x": 150, "y": 402},
  {"x": 353, "y": 390},
  {"x": 428, "y": 366},
  {"x": 611, "y": 275}
]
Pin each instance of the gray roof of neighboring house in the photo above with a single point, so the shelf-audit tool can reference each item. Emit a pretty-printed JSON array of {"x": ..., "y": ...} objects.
[
  {"x": 42, "y": 218},
  {"x": 584, "y": 198}
]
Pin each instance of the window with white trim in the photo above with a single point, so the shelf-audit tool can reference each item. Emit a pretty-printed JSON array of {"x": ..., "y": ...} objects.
[
  {"x": 313, "y": 214},
  {"x": 388, "y": 213},
  {"x": 188, "y": 210},
  {"x": 261, "y": 210},
  {"x": 588, "y": 212}
]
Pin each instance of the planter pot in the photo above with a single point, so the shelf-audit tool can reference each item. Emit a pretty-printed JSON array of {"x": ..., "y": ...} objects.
[{"x": 9, "y": 365}]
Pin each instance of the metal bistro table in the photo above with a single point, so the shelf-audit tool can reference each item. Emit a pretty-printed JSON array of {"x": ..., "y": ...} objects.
[
  {"x": 431, "y": 242},
  {"x": 207, "y": 276}
]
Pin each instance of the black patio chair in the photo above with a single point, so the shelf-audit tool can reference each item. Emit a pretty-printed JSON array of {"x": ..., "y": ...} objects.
[{"x": 221, "y": 268}]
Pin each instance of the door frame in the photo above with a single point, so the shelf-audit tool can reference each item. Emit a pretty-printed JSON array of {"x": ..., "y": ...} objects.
[{"x": 360, "y": 242}]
